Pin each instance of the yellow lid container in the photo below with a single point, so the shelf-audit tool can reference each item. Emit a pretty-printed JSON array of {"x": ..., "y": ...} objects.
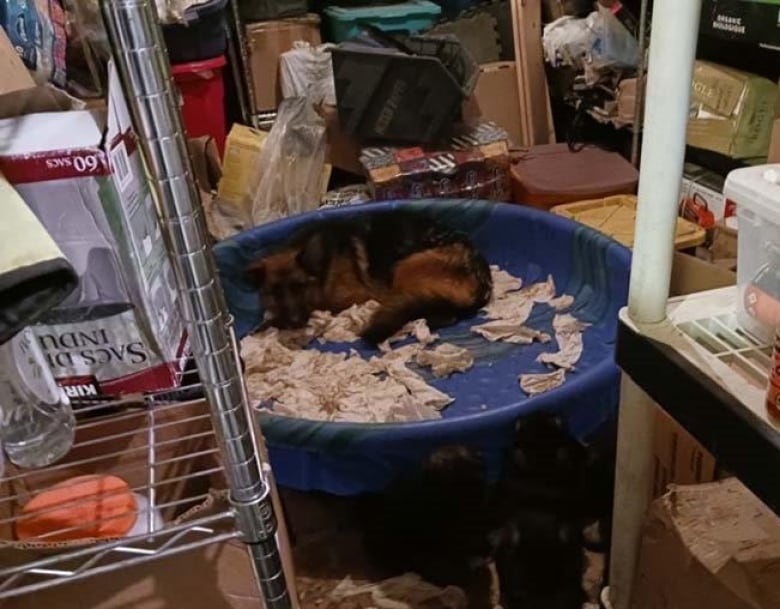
[{"x": 616, "y": 216}]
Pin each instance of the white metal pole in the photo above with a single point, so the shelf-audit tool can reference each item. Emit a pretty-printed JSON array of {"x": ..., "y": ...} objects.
[{"x": 674, "y": 33}]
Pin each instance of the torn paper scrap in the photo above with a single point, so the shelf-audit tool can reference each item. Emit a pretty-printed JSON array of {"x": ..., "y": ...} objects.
[
  {"x": 418, "y": 329},
  {"x": 403, "y": 592},
  {"x": 345, "y": 327},
  {"x": 309, "y": 384},
  {"x": 503, "y": 282},
  {"x": 534, "y": 384},
  {"x": 515, "y": 306},
  {"x": 421, "y": 391},
  {"x": 544, "y": 291},
  {"x": 446, "y": 359},
  {"x": 561, "y": 303},
  {"x": 509, "y": 331},
  {"x": 568, "y": 333}
]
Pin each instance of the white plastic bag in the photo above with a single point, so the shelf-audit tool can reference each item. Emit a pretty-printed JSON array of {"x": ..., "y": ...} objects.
[
  {"x": 615, "y": 47},
  {"x": 307, "y": 71},
  {"x": 569, "y": 41},
  {"x": 290, "y": 167}
]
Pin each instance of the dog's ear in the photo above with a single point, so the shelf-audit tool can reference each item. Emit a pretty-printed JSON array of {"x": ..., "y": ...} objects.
[
  {"x": 314, "y": 256},
  {"x": 256, "y": 272}
]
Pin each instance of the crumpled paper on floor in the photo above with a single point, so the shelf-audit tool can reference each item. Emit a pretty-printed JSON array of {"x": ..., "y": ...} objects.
[{"x": 408, "y": 591}]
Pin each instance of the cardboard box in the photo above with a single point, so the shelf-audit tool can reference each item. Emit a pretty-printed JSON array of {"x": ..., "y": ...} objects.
[
  {"x": 497, "y": 97},
  {"x": 691, "y": 274},
  {"x": 242, "y": 156},
  {"x": 81, "y": 173},
  {"x": 712, "y": 545},
  {"x": 751, "y": 21},
  {"x": 678, "y": 458},
  {"x": 15, "y": 74},
  {"x": 218, "y": 576},
  {"x": 474, "y": 164},
  {"x": 774, "y": 144},
  {"x": 343, "y": 149},
  {"x": 266, "y": 41},
  {"x": 732, "y": 111}
]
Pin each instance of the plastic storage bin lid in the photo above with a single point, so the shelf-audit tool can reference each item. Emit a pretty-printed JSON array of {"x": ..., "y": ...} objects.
[
  {"x": 757, "y": 188},
  {"x": 616, "y": 217},
  {"x": 413, "y": 7},
  {"x": 551, "y": 174}
]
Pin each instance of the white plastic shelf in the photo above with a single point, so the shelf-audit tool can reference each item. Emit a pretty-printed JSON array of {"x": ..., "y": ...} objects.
[{"x": 711, "y": 376}]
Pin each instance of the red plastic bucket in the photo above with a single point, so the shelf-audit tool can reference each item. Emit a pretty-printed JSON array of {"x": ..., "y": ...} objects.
[{"x": 203, "y": 92}]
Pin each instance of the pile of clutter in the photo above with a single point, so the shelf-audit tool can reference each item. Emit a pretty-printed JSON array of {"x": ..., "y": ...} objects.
[{"x": 391, "y": 108}]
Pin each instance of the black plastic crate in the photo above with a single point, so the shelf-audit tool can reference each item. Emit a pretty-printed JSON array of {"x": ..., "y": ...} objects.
[
  {"x": 263, "y": 10},
  {"x": 404, "y": 89},
  {"x": 202, "y": 36}
]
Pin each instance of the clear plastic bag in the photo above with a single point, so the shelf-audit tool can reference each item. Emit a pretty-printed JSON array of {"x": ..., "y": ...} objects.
[
  {"x": 615, "y": 47},
  {"x": 291, "y": 166},
  {"x": 307, "y": 71}
]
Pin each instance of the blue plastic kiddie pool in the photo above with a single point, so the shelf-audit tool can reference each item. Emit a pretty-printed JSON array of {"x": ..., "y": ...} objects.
[{"x": 347, "y": 458}]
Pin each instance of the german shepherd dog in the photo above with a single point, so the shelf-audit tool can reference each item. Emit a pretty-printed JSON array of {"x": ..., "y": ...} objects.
[{"x": 413, "y": 266}]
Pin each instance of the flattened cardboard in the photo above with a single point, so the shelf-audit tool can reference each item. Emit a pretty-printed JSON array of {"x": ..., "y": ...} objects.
[
  {"x": 15, "y": 74},
  {"x": 498, "y": 99},
  {"x": 266, "y": 41},
  {"x": 711, "y": 545},
  {"x": 218, "y": 576}
]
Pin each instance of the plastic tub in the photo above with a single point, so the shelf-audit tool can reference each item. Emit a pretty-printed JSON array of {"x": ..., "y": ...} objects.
[
  {"x": 551, "y": 174},
  {"x": 410, "y": 17},
  {"x": 202, "y": 36},
  {"x": 756, "y": 193},
  {"x": 203, "y": 90},
  {"x": 352, "y": 458}
]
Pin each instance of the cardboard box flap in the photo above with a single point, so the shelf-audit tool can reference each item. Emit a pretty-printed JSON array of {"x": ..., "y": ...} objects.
[
  {"x": 710, "y": 545},
  {"x": 49, "y": 131},
  {"x": 15, "y": 74},
  {"x": 717, "y": 88},
  {"x": 43, "y": 98},
  {"x": 118, "y": 121}
]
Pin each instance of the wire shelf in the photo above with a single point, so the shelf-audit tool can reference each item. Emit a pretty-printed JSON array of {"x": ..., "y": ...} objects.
[{"x": 164, "y": 448}]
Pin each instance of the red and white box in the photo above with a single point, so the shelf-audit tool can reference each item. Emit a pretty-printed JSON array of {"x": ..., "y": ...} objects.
[{"x": 81, "y": 173}]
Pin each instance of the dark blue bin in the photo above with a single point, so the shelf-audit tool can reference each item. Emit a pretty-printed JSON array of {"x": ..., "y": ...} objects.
[{"x": 346, "y": 459}]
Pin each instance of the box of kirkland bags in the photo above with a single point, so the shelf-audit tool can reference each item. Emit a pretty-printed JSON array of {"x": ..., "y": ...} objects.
[{"x": 81, "y": 173}]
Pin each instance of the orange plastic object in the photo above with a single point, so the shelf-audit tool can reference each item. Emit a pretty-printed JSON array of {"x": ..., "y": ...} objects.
[{"x": 86, "y": 507}]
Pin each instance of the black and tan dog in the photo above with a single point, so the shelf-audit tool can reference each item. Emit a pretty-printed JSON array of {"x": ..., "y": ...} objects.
[{"x": 413, "y": 266}]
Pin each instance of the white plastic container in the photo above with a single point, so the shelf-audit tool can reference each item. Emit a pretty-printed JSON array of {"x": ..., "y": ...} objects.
[{"x": 756, "y": 193}]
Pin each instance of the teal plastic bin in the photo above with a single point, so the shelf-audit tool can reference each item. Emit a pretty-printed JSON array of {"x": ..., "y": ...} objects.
[{"x": 343, "y": 23}]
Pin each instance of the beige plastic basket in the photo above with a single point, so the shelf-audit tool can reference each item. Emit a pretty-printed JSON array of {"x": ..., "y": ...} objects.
[{"x": 615, "y": 217}]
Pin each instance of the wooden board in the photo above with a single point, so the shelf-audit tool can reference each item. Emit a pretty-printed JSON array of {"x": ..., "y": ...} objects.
[{"x": 536, "y": 115}]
